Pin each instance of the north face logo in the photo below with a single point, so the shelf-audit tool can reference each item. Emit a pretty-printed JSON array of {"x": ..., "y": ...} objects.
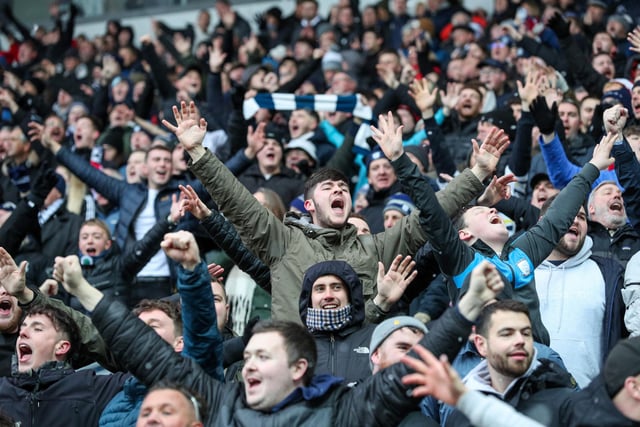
[{"x": 361, "y": 350}]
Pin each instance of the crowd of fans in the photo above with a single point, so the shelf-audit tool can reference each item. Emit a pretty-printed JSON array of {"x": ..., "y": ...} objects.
[{"x": 381, "y": 216}]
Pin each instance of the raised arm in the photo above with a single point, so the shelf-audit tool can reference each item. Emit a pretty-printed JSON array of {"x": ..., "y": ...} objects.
[
  {"x": 202, "y": 340},
  {"x": 238, "y": 205}
]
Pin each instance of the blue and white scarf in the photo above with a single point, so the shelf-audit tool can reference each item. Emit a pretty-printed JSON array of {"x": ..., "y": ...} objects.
[{"x": 289, "y": 102}]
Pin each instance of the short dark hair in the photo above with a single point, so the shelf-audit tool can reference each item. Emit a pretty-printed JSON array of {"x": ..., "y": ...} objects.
[
  {"x": 324, "y": 174},
  {"x": 631, "y": 130},
  {"x": 458, "y": 221},
  {"x": 484, "y": 320},
  {"x": 157, "y": 147},
  {"x": 171, "y": 309},
  {"x": 298, "y": 341},
  {"x": 198, "y": 403},
  {"x": 62, "y": 323}
]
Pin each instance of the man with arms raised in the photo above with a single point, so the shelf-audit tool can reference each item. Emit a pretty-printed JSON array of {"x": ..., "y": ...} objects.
[{"x": 289, "y": 249}]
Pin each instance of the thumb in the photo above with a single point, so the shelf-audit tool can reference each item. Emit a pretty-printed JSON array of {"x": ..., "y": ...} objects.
[
  {"x": 23, "y": 267},
  {"x": 380, "y": 270}
]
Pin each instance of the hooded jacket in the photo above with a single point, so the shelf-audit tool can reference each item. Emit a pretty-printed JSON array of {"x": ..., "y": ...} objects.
[
  {"x": 290, "y": 248},
  {"x": 538, "y": 393},
  {"x": 343, "y": 353},
  {"x": 585, "y": 318}
]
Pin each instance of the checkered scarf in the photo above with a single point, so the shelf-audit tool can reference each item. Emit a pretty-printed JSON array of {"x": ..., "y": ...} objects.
[{"x": 328, "y": 320}]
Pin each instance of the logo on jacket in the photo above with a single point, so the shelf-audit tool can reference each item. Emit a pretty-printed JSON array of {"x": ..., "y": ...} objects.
[
  {"x": 361, "y": 350},
  {"x": 523, "y": 266}
]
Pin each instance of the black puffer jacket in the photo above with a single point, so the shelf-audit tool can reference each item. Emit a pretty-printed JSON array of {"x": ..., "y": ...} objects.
[
  {"x": 286, "y": 183},
  {"x": 381, "y": 400},
  {"x": 56, "y": 395},
  {"x": 343, "y": 353},
  {"x": 592, "y": 407}
]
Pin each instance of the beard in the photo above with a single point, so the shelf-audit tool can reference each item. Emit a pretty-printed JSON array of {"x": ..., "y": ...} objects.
[
  {"x": 510, "y": 368},
  {"x": 570, "y": 249}
]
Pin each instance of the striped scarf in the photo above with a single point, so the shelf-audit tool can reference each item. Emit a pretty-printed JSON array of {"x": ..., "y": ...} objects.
[{"x": 289, "y": 102}]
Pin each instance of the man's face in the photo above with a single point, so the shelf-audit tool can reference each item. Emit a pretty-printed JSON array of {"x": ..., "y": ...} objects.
[
  {"x": 308, "y": 10},
  {"x": 222, "y": 307},
  {"x": 271, "y": 154},
  {"x": 615, "y": 29},
  {"x": 140, "y": 141},
  {"x": 10, "y": 312},
  {"x": 120, "y": 115},
  {"x": 39, "y": 342},
  {"x": 602, "y": 43},
  {"x": 394, "y": 347},
  {"x": 295, "y": 156},
  {"x": 484, "y": 129},
  {"x": 635, "y": 101},
  {"x": 135, "y": 167},
  {"x": 329, "y": 293},
  {"x": 330, "y": 204},
  {"x": 54, "y": 126},
  {"x": 268, "y": 378},
  {"x": 301, "y": 122},
  {"x": 587, "y": 108},
  {"x": 607, "y": 207},
  {"x": 603, "y": 65},
  {"x": 93, "y": 240},
  {"x": 573, "y": 240},
  {"x": 492, "y": 78},
  {"x": 381, "y": 174},
  {"x": 389, "y": 61},
  {"x": 391, "y": 217},
  {"x": 508, "y": 346},
  {"x": 469, "y": 104},
  {"x": 161, "y": 323},
  {"x": 158, "y": 168},
  {"x": 541, "y": 192},
  {"x": 16, "y": 146},
  {"x": 85, "y": 134},
  {"x": 570, "y": 118},
  {"x": 191, "y": 82},
  {"x": 485, "y": 224},
  {"x": 167, "y": 408},
  {"x": 361, "y": 226}
]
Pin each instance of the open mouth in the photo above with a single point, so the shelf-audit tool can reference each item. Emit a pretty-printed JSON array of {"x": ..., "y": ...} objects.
[
  {"x": 91, "y": 251},
  {"x": 573, "y": 230},
  {"x": 616, "y": 206},
  {"x": 495, "y": 220},
  {"x": 331, "y": 306},
  {"x": 252, "y": 383},
  {"x": 24, "y": 353},
  {"x": 338, "y": 205},
  {"x": 5, "y": 307}
]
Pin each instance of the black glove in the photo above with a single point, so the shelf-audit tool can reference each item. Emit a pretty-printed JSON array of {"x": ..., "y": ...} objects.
[
  {"x": 544, "y": 117},
  {"x": 559, "y": 25},
  {"x": 248, "y": 329},
  {"x": 42, "y": 184}
]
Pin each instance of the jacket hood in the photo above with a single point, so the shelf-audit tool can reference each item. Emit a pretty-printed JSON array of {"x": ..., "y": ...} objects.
[
  {"x": 574, "y": 261},
  {"x": 348, "y": 275}
]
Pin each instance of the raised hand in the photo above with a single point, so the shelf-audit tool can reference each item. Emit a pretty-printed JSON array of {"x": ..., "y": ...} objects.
[
  {"x": 255, "y": 140},
  {"x": 424, "y": 97},
  {"x": 602, "y": 152},
  {"x": 13, "y": 278},
  {"x": 38, "y": 132},
  {"x": 49, "y": 287},
  {"x": 190, "y": 202},
  {"x": 388, "y": 137},
  {"x": 215, "y": 271},
  {"x": 68, "y": 271},
  {"x": 485, "y": 284},
  {"x": 391, "y": 286},
  {"x": 175, "y": 212},
  {"x": 433, "y": 377},
  {"x": 450, "y": 98},
  {"x": 488, "y": 154},
  {"x": 189, "y": 130},
  {"x": 181, "y": 247},
  {"x": 216, "y": 57},
  {"x": 498, "y": 189},
  {"x": 544, "y": 116},
  {"x": 615, "y": 118},
  {"x": 529, "y": 91},
  {"x": 634, "y": 39}
]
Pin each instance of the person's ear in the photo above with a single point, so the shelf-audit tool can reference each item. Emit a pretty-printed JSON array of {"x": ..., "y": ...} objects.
[
  {"x": 62, "y": 347},
  {"x": 309, "y": 205},
  {"x": 464, "y": 235},
  {"x": 107, "y": 244},
  {"x": 178, "y": 344},
  {"x": 481, "y": 344},
  {"x": 298, "y": 369}
]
